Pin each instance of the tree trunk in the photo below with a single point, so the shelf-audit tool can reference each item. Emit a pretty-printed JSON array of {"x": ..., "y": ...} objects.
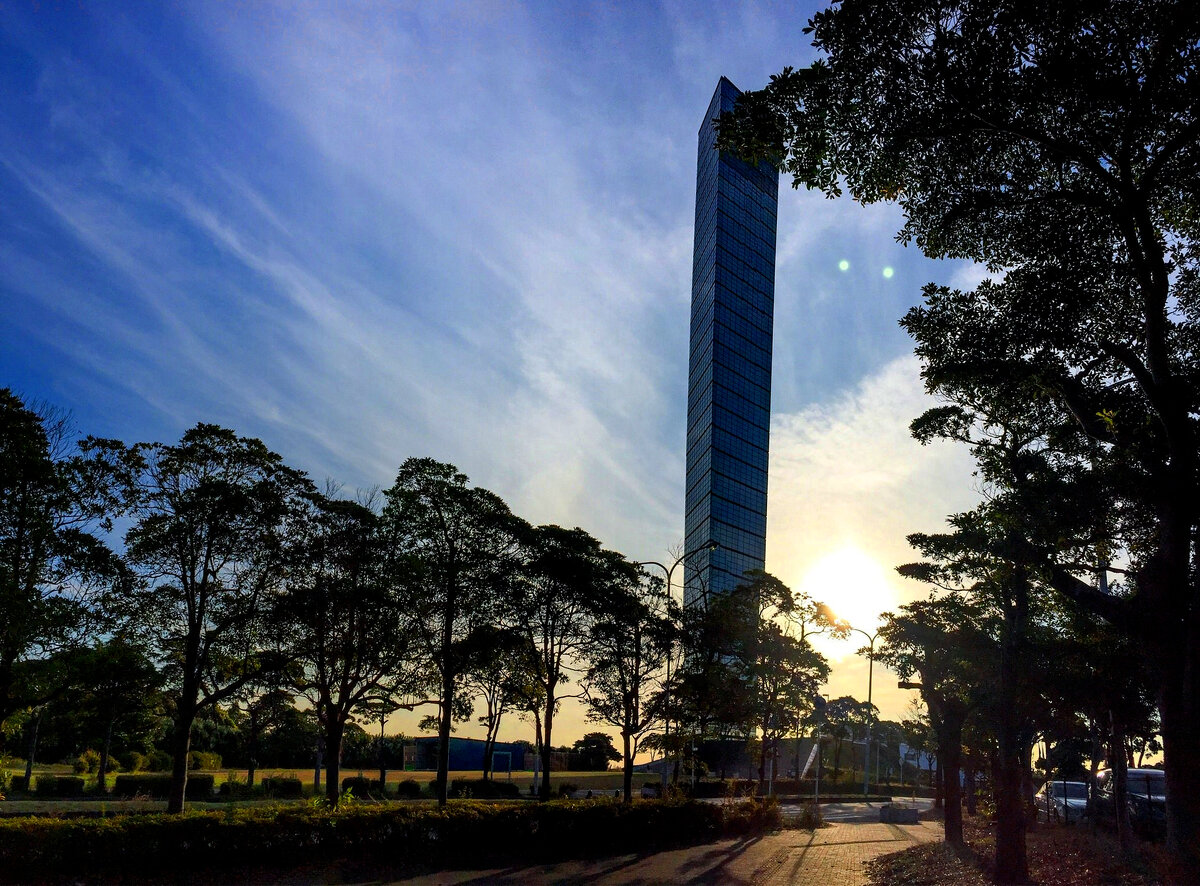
[
  {"x": 489, "y": 746},
  {"x": 540, "y": 745},
  {"x": 939, "y": 787},
  {"x": 102, "y": 773},
  {"x": 547, "y": 728},
  {"x": 31, "y": 753},
  {"x": 1012, "y": 862},
  {"x": 972, "y": 774},
  {"x": 950, "y": 759},
  {"x": 382, "y": 758},
  {"x": 444, "y": 724},
  {"x": 181, "y": 746},
  {"x": 627, "y": 760},
  {"x": 762, "y": 765},
  {"x": 1180, "y": 710},
  {"x": 1027, "y": 788},
  {"x": 320, "y": 762},
  {"x": 334, "y": 730},
  {"x": 1120, "y": 787}
]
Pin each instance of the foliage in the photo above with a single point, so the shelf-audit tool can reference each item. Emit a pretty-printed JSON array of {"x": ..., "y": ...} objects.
[
  {"x": 406, "y": 837},
  {"x": 344, "y": 613},
  {"x": 59, "y": 786},
  {"x": 594, "y": 752},
  {"x": 631, "y": 642},
  {"x": 55, "y": 503},
  {"x": 746, "y": 670},
  {"x": 283, "y": 787},
  {"x": 456, "y": 543},
  {"x": 210, "y": 519},
  {"x": 1056, "y": 144},
  {"x": 484, "y": 789},
  {"x": 566, "y": 581},
  {"x": 408, "y": 789},
  {"x": 199, "y": 785}
]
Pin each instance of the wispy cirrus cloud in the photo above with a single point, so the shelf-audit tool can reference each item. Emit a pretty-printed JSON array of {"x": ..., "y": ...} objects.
[{"x": 369, "y": 231}]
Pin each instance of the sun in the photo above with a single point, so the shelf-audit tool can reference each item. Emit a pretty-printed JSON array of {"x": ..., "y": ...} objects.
[{"x": 853, "y": 584}]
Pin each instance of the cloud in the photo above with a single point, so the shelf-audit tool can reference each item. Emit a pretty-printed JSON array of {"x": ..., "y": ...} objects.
[{"x": 846, "y": 473}]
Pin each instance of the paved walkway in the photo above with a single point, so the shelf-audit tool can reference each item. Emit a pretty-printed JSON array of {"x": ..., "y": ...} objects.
[{"x": 831, "y": 856}]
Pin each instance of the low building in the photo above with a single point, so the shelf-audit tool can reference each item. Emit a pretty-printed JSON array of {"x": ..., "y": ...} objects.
[{"x": 466, "y": 754}]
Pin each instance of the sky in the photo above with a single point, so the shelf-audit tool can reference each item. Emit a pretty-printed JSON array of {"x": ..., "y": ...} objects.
[{"x": 364, "y": 232}]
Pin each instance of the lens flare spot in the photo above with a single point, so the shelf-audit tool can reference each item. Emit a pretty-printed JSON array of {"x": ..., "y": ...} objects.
[
  {"x": 887, "y": 272},
  {"x": 843, "y": 265}
]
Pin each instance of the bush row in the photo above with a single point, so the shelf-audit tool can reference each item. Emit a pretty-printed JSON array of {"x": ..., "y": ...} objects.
[
  {"x": 199, "y": 786},
  {"x": 276, "y": 786},
  {"x": 59, "y": 786},
  {"x": 463, "y": 834},
  {"x": 788, "y": 786}
]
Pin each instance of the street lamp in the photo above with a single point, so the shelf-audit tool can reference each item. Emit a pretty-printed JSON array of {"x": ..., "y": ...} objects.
[
  {"x": 870, "y": 710},
  {"x": 668, "y": 573}
]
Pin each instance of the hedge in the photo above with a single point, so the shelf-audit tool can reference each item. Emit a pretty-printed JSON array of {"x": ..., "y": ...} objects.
[
  {"x": 396, "y": 837},
  {"x": 59, "y": 786},
  {"x": 283, "y": 787},
  {"x": 790, "y": 787},
  {"x": 409, "y": 789},
  {"x": 361, "y": 787},
  {"x": 481, "y": 789},
  {"x": 199, "y": 786}
]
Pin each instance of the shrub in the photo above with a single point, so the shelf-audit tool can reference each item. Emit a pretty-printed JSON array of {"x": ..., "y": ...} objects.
[
  {"x": 59, "y": 786},
  {"x": 481, "y": 789},
  {"x": 409, "y": 789},
  {"x": 157, "y": 761},
  {"x": 204, "y": 760},
  {"x": 19, "y": 784},
  {"x": 361, "y": 787},
  {"x": 463, "y": 834},
  {"x": 131, "y": 761},
  {"x": 809, "y": 818},
  {"x": 158, "y": 786},
  {"x": 566, "y": 789},
  {"x": 283, "y": 787}
]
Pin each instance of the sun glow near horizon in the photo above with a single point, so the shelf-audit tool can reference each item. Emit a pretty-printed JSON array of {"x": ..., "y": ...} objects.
[{"x": 853, "y": 584}]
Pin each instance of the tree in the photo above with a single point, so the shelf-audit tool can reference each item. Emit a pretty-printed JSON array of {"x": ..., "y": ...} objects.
[
  {"x": 208, "y": 542},
  {"x": 1060, "y": 144},
  {"x": 260, "y": 711},
  {"x": 627, "y": 656},
  {"x": 55, "y": 502},
  {"x": 460, "y": 543},
  {"x": 594, "y": 752},
  {"x": 846, "y": 718},
  {"x": 940, "y": 642},
  {"x": 502, "y": 672},
  {"x": 120, "y": 688},
  {"x": 345, "y": 619},
  {"x": 566, "y": 580}
]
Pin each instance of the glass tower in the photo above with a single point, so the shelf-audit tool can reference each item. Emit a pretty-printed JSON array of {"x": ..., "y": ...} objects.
[{"x": 729, "y": 369}]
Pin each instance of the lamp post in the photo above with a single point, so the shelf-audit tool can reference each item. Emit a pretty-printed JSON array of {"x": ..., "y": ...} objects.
[
  {"x": 668, "y": 573},
  {"x": 870, "y": 711}
]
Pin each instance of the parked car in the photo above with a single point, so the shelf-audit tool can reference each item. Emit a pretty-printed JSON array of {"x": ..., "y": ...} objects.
[
  {"x": 1065, "y": 801},
  {"x": 1146, "y": 791}
]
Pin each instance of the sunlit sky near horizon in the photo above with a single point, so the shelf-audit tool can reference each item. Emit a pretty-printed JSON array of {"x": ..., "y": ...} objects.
[{"x": 368, "y": 231}]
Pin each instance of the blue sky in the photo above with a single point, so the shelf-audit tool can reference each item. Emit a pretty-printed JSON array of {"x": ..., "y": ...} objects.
[{"x": 368, "y": 231}]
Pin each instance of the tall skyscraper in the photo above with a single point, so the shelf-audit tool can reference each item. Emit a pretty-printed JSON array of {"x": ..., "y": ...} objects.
[{"x": 729, "y": 370}]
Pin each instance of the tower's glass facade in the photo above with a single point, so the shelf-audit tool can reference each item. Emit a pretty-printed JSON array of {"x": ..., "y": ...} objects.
[{"x": 729, "y": 371}]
